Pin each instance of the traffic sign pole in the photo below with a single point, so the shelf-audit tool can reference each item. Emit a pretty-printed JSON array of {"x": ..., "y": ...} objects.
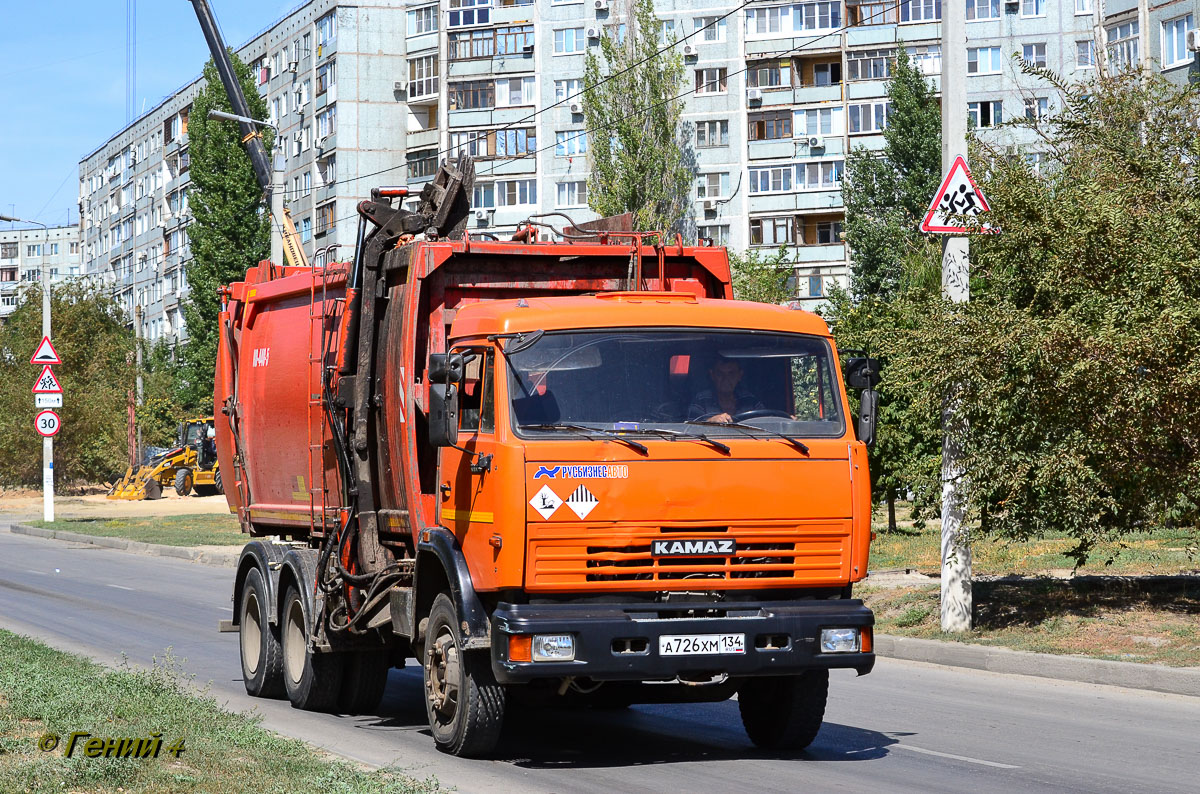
[{"x": 48, "y": 441}]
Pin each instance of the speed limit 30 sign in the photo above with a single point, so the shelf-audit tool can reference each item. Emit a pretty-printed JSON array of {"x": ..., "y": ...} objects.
[{"x": 47, "y": 423}]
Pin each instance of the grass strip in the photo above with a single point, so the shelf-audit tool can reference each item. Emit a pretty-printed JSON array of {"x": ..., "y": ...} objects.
[
  {"x": 203, "y": 529},
  {"x": 43, "y": 690}
]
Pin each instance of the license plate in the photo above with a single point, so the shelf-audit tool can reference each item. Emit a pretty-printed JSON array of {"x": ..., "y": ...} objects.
[{"x": 701, "y": 644}]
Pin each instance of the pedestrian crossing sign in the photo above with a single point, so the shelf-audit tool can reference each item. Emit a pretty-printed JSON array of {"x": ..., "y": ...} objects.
[{"x": 958, "y": 196}]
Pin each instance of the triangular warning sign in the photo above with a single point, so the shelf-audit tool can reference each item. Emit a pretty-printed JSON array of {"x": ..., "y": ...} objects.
[
  {"x": 46, "y": 354},
  {"x": 958, "y": 195},
  {"x": 47, "y": 383}
]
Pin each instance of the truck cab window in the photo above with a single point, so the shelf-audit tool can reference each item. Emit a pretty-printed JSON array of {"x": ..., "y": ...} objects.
[{"x": 476, "y": 410}]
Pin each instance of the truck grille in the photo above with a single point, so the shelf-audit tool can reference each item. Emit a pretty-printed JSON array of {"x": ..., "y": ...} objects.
[{"x": 765, "y": 556}]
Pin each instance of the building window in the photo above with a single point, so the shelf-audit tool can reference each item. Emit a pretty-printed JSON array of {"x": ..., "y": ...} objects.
[
  {"x": 305, "y": 229},
  {"x": 927, "y": 58},
  {"x": 1123, "y": 45},
  {"x": 712, "y": 133},
  {"x": 325, "y": 76},
  {"x": 327, "y": 122},
  {"x": 773, "y": 179},
  {"x": 820, "y": 176},
  {"x": 1037, "y": 108},
  {"x": 1033, "y": 8},
  {"x": 570, "y": 143},
  {"x": 74, "y": 249},
  {"x": 325, "y": 217},
  {"x": 569, "y": 40},
  {"x": 827, "y": 74},
  {"x": 810, "y": 17},
  {"x": 469, "y": 12},
  {"x": 983, "y": 60},
  {"x": 986, "y": 114},
  {"x": 327, "y": 30},
  {"x": 422, "y": 77},
  {"x": 1174, "y": 41},
  {"x": 494, "y": 143},
  {"x": 984, "y": 9},
  {"x": 485, "y": 196},
  {"x": 572, "y": 194},
  {"x": 327, "y": 170},
  {"x": 515, "y": 91},
  {"x": 921, "y": 10},
  {"x": 517, "y": 192},
  {"x": 471, "y": 44},
  {"x": 566, "y": 89},
  {"x": 816, "y": 287},
  {"x": 8, "y": 250},
  {"x": 472, "y": 95},
  {"x": 1034, "y": 54},
  {"x": 712, "y": 186},
  {"x": 871, "y": 12},
  {"x": 829, "y": 232},
  {"x": 774, "y": 74},
  {"x": 772, "y": 231},
  {"x": 1085, "y": 54},
  {"x": 718, "y": 233},
  {"x": 712, "y": 81},
  {"x": 771, "y": 125},
  {"x": 33, "y": 250},
  {"x": 422, "y": 20},
  {"x": 1083, "y": 6},
  {"x": 709, "y": 28},
  {"x": 513, "y": 40},
  {"x": 869, "y": 116},
  {"x": 820, "y": 121},
  {"x": 422, "y": 164},
  {"x": 765, "y": 20},
  {"x": 870, "y": 64}
]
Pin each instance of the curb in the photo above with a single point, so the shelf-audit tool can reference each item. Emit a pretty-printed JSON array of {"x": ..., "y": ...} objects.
[
  {"x": 221, "y": 559},
  {"x": 1131, "y": 675}
]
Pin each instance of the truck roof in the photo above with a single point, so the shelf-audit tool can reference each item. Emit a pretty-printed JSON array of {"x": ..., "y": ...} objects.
[{"x": 629, "y": 309}]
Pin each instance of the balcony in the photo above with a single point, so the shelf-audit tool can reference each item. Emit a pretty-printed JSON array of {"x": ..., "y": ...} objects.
[
  {"x": 776, "y": 149},
  {"x": 813, "y": 254},
  {"x": 423, "y": 91}
]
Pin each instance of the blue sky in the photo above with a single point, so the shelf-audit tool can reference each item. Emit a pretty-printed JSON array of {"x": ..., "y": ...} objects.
[{"x": 62, "y": 83}]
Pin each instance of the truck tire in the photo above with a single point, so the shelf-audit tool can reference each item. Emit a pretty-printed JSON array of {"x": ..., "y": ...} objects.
[
  {"x": 464, "y": 703},
  {"x": 784, "y": 712},
  {"x": 153, "y": 489},
  {"x": 183, "y": 482},
  {"x": 312, "y": 680},
  {"x": 261, "y": 652},
  {"x": 217, "y": 484},
  {"x": 364, "y": 681}
]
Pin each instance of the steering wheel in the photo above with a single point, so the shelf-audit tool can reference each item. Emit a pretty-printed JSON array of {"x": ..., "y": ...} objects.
[{"x": 755, "y": 413}]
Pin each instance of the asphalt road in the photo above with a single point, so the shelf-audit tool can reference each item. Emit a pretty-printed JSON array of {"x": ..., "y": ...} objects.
[{"x": 905, "y": 727}]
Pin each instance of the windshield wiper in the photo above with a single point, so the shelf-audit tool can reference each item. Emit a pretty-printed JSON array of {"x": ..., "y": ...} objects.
[
  {"x": 674, "y": 434},
  {"x": 795, "y": 442},
  {"x": 639, "y": 446}
]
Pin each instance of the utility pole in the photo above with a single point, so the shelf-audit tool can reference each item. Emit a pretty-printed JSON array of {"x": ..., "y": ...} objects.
[
  {"x": 137, "y": 325},
  {"x": 956, "y": 553}
]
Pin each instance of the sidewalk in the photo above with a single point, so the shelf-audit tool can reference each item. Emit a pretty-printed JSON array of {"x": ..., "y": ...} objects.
[{"x": 1158, "y": 678}]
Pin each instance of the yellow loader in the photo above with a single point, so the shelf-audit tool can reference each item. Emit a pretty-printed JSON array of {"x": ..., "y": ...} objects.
[{"x": 192, "y": 464}]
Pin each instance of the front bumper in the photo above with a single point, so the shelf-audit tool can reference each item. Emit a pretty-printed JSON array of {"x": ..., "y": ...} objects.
[{"x": 781, "y": 638}]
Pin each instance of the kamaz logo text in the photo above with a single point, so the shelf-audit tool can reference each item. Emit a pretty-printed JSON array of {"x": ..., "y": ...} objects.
[
  {"x": 261, "y": 355},
  {"x": 693, "y": 548}
]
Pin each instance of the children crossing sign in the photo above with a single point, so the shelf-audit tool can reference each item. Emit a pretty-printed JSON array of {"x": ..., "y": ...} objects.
[
  {"x": 47, "y": 383},
  {"x": 957, "y": 197}
]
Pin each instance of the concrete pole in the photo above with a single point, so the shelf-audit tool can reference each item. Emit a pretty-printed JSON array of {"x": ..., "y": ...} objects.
[
  {"x": 956, "y": 553},
  {"x": 47, "y": 442},
  {"x": 277, "y": 188},
  {"x": 137, "y": 333}
]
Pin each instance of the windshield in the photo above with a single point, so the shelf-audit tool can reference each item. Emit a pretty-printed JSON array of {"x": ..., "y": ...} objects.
[{"x": 640, "y": 379}]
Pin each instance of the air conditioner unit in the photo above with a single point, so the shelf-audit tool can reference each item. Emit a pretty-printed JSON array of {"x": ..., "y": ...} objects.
[
  {"x": 320, "y": 141},
  {"x": 527, "y": 49},
  {"x": 816, "y": 143},
  {"x": 398, "y": 85},
  {"x": 601, "y": 5},
  {"x": 293, "y": 66},
  {"x": 576, "y": 107},
  {"x": 1193, "y": 40},
  {"x": 708, "y": 204},
  {"x": 689, "y": 49},
  {"x": 753, "y": 94},
  {"x": 481, "y": 215},
  {"x": 593, "y": 33}
]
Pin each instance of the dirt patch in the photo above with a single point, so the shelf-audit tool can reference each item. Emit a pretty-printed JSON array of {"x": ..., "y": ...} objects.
[{"x": 29, "y": 506}]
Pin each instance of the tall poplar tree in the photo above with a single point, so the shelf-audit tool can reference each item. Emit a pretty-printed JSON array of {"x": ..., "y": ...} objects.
[{"x": 636, "y": 147}]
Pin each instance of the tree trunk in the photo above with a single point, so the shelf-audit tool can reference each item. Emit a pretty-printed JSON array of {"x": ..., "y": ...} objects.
[{"x": 891, "y": 502}]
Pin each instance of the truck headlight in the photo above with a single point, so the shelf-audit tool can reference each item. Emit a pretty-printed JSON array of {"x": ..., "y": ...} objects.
[
  {"x": 840, "y": 640},
  {"x": 553, "y": 647}
]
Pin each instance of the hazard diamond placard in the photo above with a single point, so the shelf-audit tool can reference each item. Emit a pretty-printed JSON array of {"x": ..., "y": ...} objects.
[
  {"x": 45, "y": 353},
  {"x": 958, "y": 196},
  {"x": 47, "y": 383}
]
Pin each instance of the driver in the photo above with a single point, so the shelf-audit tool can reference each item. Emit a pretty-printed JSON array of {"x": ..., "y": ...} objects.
[{"x": 725, "y": 399}]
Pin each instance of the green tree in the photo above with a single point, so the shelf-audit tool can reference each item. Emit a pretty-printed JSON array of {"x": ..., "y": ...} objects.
[
  {"x": 636, "y": 147},
  {"x": 230, "y": 230},
  {"x": 887, "y": 192},
  {"x": 97, "y": 375},
  {"x": 761, "y": 278}
]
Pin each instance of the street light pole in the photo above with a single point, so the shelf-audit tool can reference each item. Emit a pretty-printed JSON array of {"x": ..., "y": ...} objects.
[{"x": 47, "y": 441}]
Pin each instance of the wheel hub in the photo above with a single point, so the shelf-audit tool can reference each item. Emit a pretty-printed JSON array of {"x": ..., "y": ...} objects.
[{"x": 442, "y": 676}]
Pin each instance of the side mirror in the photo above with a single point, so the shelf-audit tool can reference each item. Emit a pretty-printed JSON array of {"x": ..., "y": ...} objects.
[
  {"x": 862, "y": 373},
  {"x": 443, "y": 414},
  {"x": 179, "y": 435},
  {"x": 446, "y": 367},
  {"x": 868, "y": 415}
]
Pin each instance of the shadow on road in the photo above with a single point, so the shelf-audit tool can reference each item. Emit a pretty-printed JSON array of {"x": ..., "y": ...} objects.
[{"x": 562, "y": 738}]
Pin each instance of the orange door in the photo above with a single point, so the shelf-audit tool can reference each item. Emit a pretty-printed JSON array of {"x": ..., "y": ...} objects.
[{"x": 468, "y": 489}]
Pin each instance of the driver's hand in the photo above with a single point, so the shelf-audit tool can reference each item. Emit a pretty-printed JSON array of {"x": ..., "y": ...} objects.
[{"x": 722, "y": 418}]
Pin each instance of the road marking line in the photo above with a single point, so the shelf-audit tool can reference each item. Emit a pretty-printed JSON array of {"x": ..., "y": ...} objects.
[
  {"x": 955, "y": 757},
  {"x": 121, "y": 587},
  {"x": 39, "y": 573}
]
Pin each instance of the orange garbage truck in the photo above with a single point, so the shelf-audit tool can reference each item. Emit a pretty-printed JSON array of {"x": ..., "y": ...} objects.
[{"x": 566, "y": 469}]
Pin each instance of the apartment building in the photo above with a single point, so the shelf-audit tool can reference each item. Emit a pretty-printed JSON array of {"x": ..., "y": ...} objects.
[
  {"x": 24, "y": 253},
  {"x": 328, "y": 72}
]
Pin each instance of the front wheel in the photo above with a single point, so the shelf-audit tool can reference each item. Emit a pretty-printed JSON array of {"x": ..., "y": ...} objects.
[
  {"x": 784, "y": 712},
  {"x": 313, "y": 680},
  {"x": 464, "y": 702},
  {"x": 183, "y": 482}
]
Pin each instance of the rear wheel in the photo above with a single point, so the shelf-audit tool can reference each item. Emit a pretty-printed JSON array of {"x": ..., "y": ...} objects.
[
  {"x": 784, "y": 712},
  {"x": 312, "y": 680},
  {"x": 183, "y": 482},
  {"x": 217, "y": 484},
  {"x": 464, "y": 702},
  {"x": 262, "y": 654},
  {"x": 364, "y": 680}
]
